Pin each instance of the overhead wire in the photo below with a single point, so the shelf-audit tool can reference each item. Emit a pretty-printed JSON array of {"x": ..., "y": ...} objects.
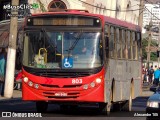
[
  {"x": 151, "y": 13},
  {"x": 127, "y": 10}
]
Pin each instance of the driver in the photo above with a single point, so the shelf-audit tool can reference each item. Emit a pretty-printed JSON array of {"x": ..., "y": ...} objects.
[{"x": 86, "y": 51}]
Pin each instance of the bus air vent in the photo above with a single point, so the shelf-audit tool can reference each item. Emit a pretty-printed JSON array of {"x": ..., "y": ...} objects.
[{"x": 51, "y": 86}]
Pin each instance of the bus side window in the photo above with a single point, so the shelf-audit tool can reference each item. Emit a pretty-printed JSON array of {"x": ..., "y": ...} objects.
[
  {"x": 138, "y": 38},
  {"x": 129, "y": 44},
  {"x": 134, "y": 46},
  {"x": 118, "y": 39},
  {"x": 106, "y": 35},
  {"x": 111, "y": 42},
  {"x": 124, "y": 50}
]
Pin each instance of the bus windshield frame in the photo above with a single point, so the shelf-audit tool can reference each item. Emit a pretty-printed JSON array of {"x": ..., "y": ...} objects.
[{"x": 65, "y": 49}]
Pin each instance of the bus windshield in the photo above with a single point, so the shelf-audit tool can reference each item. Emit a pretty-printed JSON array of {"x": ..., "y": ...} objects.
[{"x": 61, "y": 50}]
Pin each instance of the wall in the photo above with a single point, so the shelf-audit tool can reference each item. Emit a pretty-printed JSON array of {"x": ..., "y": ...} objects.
[{"x": 102, "y": 5}]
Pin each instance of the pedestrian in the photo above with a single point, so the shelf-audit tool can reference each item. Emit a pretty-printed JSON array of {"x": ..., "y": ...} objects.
[
  {"x": 150, "y": 74},
  {"x": 3, "y": 56},
  {"x": 159, "y": 77},
  {"x": 144, "y": 74},
  {"x": 156, "y": 76}
]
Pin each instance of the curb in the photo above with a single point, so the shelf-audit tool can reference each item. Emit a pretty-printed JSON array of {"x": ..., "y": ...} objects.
[{"x": 10, "y": 100}]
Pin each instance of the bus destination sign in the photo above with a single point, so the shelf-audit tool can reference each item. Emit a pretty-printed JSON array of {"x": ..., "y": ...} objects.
[{"x": 63, "y": 21}]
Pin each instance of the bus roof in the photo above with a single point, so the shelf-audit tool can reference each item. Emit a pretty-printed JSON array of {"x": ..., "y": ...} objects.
[
  {"x": 106, "y": 19},
  {"x": 121, "y": 23}
]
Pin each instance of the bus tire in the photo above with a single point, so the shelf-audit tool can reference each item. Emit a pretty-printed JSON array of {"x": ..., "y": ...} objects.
[
  {"x": 64, "y": 108},
  {"x": 116, "y": 107},
  {"x": 41, "y": 106},
  {"x": 73, "y": 107},
  {"x": 105, "y": 108}
]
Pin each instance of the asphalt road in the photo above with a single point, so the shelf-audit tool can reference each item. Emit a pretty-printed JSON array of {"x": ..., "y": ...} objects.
[{"x": 81, "y": 113}]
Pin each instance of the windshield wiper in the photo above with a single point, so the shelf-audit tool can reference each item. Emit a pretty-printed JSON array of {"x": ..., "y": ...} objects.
[
  {"x": 74, "y": 44},
  {"x": 48, "y": 38}
]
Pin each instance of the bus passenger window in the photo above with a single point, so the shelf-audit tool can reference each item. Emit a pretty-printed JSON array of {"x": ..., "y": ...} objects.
[
  {"x": 138, "y": 38},
  {"x": 129, "y": 44},
  {"x": 107, "y": 40},
  {"x": 118, "y": 39},
  {"x": 112, "y": 42},
  {"x": 134, "y": 46},
  {"x": 124, "y": 44}
]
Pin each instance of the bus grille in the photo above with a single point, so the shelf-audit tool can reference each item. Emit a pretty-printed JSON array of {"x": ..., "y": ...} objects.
[
  {"x": 62, "y": 75},
  {"x": 65, "y": 86},
  {"x": 50, "y": 86}
]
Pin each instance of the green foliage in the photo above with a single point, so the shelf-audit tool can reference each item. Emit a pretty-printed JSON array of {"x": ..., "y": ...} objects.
[
  {"x": 144, "y": 45},
  {"x": 144, "y": 52},
  {"x": 153, "y": 56},
  {"x": 42, "y": 7}
]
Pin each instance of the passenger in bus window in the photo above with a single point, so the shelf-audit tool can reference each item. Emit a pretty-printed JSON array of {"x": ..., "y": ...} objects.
[{"x": 86, "y": 51}]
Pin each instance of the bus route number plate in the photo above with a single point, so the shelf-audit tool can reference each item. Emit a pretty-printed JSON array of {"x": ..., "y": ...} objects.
[{"x": 77, "y": 81}]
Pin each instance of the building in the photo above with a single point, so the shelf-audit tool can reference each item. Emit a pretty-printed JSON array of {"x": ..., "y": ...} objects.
[
  {"x": 152, "y": 14},
  {"x": 127, "y": 10}
]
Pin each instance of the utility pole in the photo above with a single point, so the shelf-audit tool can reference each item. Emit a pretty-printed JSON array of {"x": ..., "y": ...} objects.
[
  {"x": 10, "y": 67},
  {"x": 140, "y": 21},
  {"x": 149, "y": 43},
  {"x": 159, "y": 45}
]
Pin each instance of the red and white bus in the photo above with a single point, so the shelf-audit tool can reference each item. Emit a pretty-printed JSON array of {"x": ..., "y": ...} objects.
[{"x": 74, "y": 57}]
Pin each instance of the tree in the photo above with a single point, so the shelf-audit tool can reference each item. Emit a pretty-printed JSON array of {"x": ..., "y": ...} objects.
[
  {"x": 144, "y": 52},
  {"x": 42, "y": 7}
]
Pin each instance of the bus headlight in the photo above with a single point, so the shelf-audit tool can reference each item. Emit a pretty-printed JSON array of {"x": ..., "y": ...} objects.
[
  {"x": 25, "y": 79},
  {"x": 30, "y": 83},
  {"x": 85, "y": 86},
  {"x": 98, "y": 80},
  {"x": 92, "y": 84},
  {"x": 36, "y": 86}
]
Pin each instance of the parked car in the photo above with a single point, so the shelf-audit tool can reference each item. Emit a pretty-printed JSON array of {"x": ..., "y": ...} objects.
[{"x": 153, "y": 104}]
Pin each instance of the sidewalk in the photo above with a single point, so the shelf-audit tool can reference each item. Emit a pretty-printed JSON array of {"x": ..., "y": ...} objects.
[
  {"x": 17, "y": 95},
  {"x": 147, "y": 93}
]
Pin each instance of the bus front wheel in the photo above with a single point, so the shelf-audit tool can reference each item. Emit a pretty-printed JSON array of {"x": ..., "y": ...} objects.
[{"x": 41, "y": 106}]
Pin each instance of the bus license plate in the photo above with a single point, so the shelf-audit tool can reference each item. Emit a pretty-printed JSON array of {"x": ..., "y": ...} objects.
[{"x": 60, "y": 94}]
